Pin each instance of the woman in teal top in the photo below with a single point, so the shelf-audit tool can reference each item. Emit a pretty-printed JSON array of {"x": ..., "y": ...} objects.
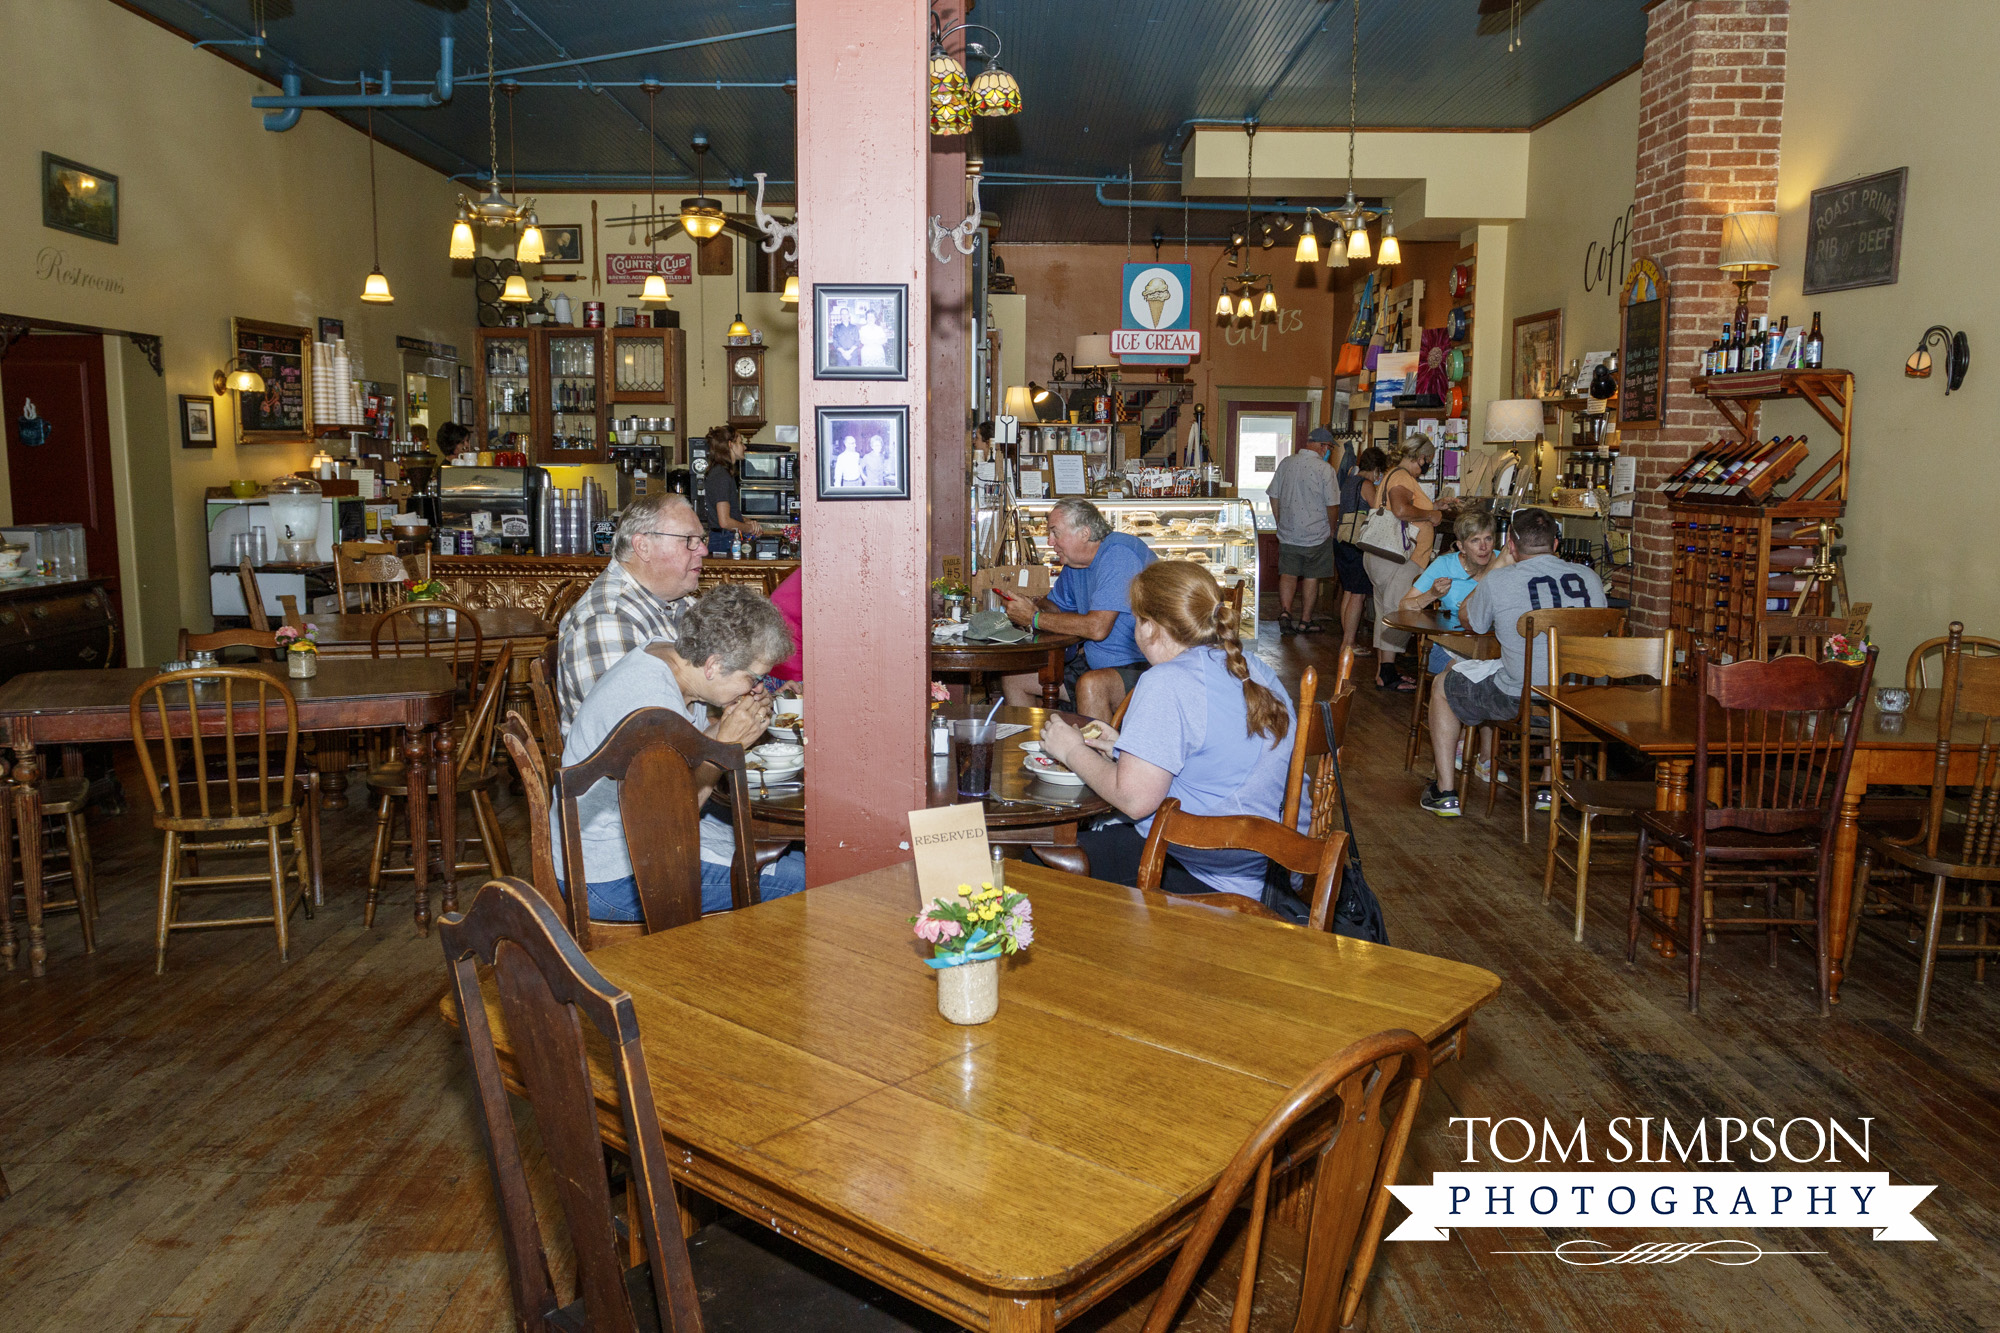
[{"x": 1450, "y": 579}]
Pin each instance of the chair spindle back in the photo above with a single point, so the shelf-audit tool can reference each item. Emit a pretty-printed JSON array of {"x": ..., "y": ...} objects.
[
  {"x": 1782, "y": 740},
  {"x": 204, "y": 774}
]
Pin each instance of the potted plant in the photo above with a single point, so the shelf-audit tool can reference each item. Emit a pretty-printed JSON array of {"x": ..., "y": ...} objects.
[
  {"x": 968, "y": 935},
  {"x": 430, "y": 590},
  {"x": 300, "y": 649},
  {"x": 947, "y": 599}
]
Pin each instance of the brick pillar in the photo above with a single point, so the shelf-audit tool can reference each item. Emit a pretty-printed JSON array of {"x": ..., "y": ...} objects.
[{"x": 1711, "y": 100}]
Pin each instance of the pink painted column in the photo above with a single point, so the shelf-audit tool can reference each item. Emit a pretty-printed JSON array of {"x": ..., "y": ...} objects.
[{"x": 862, "y": 149}]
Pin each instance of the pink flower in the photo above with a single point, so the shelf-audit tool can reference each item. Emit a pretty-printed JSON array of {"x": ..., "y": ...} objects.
[
  {"x": 940, "y": 692},
  {"x": 1024, "y": 924},
  {"x": 936, "y": 930}
]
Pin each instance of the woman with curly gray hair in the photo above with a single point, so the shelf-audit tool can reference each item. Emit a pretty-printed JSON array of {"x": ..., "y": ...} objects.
[{"x": 728, "y": 638}]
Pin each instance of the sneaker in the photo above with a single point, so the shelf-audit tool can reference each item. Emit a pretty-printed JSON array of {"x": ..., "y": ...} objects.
[
  {"x": 1443, "y": 804},
  {"x": 1483, "y": 770},
  {"x": 1542, "y": 798}
]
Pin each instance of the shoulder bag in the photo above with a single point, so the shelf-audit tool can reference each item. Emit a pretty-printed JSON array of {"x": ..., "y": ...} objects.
[
  {"x": 1357, "y": 912},
  {"x": 1382, "y": 534}
]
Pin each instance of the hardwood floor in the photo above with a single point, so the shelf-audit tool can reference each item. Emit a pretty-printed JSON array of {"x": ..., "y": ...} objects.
[{"x": 244, "y": 1145}]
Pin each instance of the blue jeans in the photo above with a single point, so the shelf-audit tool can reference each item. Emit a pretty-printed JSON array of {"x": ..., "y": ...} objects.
[
  {"x": 1440, "y": 661},
  {"x": 618, "y": 899}
]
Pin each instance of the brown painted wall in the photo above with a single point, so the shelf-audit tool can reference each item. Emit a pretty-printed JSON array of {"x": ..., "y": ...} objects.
[{"x": 1074, "y": 289}]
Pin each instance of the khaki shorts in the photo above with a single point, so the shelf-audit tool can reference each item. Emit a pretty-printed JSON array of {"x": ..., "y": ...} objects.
[{"x": 1307, "y": 562}]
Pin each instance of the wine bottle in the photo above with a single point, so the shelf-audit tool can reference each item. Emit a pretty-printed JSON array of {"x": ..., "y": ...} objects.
[{"x": 1815, "y": 346}]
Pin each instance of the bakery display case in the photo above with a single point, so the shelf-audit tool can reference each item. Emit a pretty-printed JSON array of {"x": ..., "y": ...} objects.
[{"x": 1218, "y": 534}]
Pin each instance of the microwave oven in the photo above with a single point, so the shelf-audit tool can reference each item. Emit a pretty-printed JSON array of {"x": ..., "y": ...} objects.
[
  {"x": 768, "y": 467},
  {"x": 765, "y": 504}
]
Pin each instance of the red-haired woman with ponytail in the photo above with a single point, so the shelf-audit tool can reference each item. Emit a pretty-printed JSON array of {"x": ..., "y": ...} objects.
[{"x": 1209, "y": 725}]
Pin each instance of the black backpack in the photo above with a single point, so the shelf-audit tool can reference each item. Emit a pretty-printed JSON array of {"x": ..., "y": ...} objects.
[{"x": 1357, "y": 913}]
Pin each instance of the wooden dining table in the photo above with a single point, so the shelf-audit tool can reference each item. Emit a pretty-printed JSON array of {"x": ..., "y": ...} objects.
[
  {"x": 42, "y": 708},
  {"x": 1659, "y": 720},
  {"x": 1041, "y": 653},
  {"x": 1007, "y": 1176},
  {"x": 351, "y": 635},
  {"x": 1024, "y": 810}
]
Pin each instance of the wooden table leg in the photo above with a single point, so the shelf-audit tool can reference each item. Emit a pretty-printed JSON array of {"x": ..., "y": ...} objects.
[
  {"x": 1670, "y": 781},
  {"x": 1052, "y": 679},
  {"x": 1840, "y": 893},
  {"x": 332, "y": 752},
  {"x": 417, "y": 758},
  {"x": 447, "y": 799},
  {"x": 1021, "y": 1314},
  {"x": 9, "y": 947},
  {"x": 28, "y": 820}
]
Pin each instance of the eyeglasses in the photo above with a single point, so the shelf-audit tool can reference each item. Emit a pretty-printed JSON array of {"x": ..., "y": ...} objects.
[{"x": 695, "y": 541}]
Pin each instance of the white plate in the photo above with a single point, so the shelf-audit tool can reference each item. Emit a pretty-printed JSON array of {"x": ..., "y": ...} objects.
[
  {"x": 778, "y": 733},
  {"x": 759, "y": 777},
  {"x": 1031, "y": 747},
  {"x": 1048, "y": 770}
]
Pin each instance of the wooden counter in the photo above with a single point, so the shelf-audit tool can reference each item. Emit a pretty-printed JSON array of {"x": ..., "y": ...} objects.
[{"x": 491, "y": 581}]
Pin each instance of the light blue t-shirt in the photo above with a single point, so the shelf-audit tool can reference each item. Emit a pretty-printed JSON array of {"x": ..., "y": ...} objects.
[
  {"x": 637, "y": 680},
  {"x": 1105, "y": 584},
  {"x": 1188, "y": 717},
  {"x": 1462, "y": 584}
]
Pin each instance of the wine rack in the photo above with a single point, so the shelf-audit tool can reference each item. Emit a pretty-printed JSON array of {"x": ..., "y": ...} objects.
[{"x": 1736, "y": 563}]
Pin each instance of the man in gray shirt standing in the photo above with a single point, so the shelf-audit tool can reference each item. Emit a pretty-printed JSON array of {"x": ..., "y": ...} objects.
[
  {"x": 1475, "y": 692},
  {"x": 1305, "y": 501}
]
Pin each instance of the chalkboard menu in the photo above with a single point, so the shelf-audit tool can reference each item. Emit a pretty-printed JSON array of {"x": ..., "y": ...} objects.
[
  {"x": 281, "y": 354},
  {"x": 1854, "y": 233},
  {"x": 1642, "y": 345}
]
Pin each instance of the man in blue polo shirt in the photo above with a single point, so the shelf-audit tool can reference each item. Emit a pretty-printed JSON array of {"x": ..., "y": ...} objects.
[{"x": 1091, "y": 599}]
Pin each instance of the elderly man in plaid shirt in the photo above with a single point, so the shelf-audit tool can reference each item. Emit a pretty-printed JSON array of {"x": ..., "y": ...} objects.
[{"x": 655, "y": 568}]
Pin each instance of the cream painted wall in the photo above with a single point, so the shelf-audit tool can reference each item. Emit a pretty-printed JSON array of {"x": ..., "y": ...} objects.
[
  {"x": 705, "y": 306},
  {"x": 1864, "y": 96},
  {"x": 218, "y": 218},
  {"x": 1582, "y": 173}
]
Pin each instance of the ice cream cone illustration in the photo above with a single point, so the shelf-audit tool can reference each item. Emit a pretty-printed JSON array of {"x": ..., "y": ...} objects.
[{"x": 1155, "y": 294}]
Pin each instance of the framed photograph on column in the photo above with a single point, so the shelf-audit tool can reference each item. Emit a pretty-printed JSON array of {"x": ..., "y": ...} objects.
[
  {"x": 861, "y": 332},
  {"x": 197, "y": 421},
  {"x": 863, "y": 452},
  {"x": 1538, "y": 346}
]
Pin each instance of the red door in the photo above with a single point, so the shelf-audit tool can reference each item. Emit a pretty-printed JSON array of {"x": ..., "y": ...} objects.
[{"x": 66, "y": 476}]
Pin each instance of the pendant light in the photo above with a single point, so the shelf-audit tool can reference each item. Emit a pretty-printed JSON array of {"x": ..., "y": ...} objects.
[
  {"x": 1308, "y": 252},
  {"x": 737, "y": 328},
  {"x": 1222, "y": 306},
  {"x": 1392, "y": 253},
  {"x": 1268, "y": 303},
  {"x": 495, "y": 209},
  {"x": 701, "y": 217},
  {"x": 1244, "y": 310},
  {"x": 516, "y": 290},
  {"x": 375, "y": 290},
  {"x": 1353, "y": 217},
  {"x": 791, "y": 296},
  {"x": 463, "y": 246},
  {"x": 1336, "y": 249},
  {"x": 1357, "y": 243},
  {"x": 655, "y": 291}
]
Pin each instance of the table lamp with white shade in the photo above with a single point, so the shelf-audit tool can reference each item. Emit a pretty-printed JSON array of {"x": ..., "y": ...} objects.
[
  {"x": 1513, "y": 422},
  {"x": 1749, "y": 247},
  {"x": 1093, "y": 352}
]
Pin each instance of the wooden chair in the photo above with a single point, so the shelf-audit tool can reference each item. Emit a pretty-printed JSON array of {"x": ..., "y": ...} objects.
[
  {"x": 1776, "y": 775},
  {"x": 1321, "y": 860},
  {"x": 475, "y": 779},
  {"x": 1917, "y": 671},
  {"x": 1473, "y": 647},
  {"x": 657, "y": 758},
  {"x": 548, "y": 717},
  {"x": 536, "y": 788},
  {"x": 1295, "y": 772},
  {"x": 1806, "y": 636},
  {"x": 1518, "y": 738},
  {"x": 1958, "y": 838},
  {"x": 264, "y": 642},
  {"x": 544, "y": 991},
  {"x": 253, "y": 598},
  {"x": 1595, "y": 798},
  {"x": 561, "y": 598},
  {"x": 375, "y": 574},
  {"x": 208, "y": 807},
  {"x": 1338, "y": 1140},
  {"x": 421, "y": 629},
  {"x": 63, "y": 798}
]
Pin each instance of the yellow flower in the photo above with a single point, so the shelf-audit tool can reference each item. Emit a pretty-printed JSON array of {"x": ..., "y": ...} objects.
[
  {"x": 988, "y": 913},
  {"x": 965, "y": 890}
]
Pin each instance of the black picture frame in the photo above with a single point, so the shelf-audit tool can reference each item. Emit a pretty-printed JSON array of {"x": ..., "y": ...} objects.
[
  {"x": 197, "y": 421},
  {"x": 331, "y": 330},
  {"x": 80, "y": 200},
  {"x": 838, "y": 306},
  {"x": 1854, "y": 233},
  {"x": 841, "y": 433},
  {"x": 562, "y": 245}
]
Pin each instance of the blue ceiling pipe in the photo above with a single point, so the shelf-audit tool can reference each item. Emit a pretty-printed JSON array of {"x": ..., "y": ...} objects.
[{"x": 291, "y": 103}]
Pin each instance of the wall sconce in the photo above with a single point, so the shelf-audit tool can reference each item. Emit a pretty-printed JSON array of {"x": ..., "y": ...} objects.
[
  {"x": 235, "y": 377},
  {"x": 1957, "y": 357}
]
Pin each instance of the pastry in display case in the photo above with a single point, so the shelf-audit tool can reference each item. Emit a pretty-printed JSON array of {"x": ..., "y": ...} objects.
[{"x": 1219, "y": 535}]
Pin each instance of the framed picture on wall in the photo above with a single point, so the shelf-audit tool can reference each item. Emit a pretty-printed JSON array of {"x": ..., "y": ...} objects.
[
  {"x": 562, "y": 245},
  {"x": 465, "y": 379},
  {"x": 1538, "y": 345},
  {"x": 197, "y": 421},
  {"x": 864, "y": 453},
  {"x": 331, "y": 330},
  {"x": 79, "y": 199},
  {"x": 860, "y": 332}
]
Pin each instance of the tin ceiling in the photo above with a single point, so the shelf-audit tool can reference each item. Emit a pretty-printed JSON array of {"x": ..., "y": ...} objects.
[{"x": 1110, "y": 85}]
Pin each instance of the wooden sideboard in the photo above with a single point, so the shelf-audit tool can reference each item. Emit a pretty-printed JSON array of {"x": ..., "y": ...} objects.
[
  {"x": 48, "y": 625},
  {"x": 481, "y": 581}
]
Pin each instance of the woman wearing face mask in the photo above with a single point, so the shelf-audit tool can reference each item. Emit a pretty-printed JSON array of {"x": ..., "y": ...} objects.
[{"x": 1208, "y": 725}]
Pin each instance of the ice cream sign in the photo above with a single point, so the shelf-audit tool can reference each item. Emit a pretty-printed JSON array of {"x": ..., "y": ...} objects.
[{"x": 1154, "y": 328}]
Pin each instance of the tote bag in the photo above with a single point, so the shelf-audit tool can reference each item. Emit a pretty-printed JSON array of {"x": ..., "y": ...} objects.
[{"x": 1382, "y": 534}]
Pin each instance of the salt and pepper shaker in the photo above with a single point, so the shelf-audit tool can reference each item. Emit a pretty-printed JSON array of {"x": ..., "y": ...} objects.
[{"x": 999, "y": 880}]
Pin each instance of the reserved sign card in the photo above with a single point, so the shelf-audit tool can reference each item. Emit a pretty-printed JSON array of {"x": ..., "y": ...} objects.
[{"x": 950, "y": 847}]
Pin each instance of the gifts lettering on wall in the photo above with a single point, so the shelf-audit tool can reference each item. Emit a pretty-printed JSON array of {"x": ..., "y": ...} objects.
[{"x": 1284, "y": 322}]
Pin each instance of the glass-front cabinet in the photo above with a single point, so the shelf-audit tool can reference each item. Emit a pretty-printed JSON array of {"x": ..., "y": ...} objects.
[
  {"x": 1219, "y": 535},
  {"x": 503, "y": 396},
  {"x": 573, "y": 361}
]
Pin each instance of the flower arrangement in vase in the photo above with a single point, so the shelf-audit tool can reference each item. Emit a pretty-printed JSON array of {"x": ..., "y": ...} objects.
[
  {"x": 424, "y": 590},
  {"x": 301, "y": 649},
  {"x": 968, "y": 938},
  {"x": 1849, "y": 649}
]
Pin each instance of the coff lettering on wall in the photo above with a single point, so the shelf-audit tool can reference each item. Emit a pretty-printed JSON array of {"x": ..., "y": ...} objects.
[
  {"x": 1604, "y": 261},
  {"x": 1285, "y": 321},
  {"x": 52, "y": 265}
]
